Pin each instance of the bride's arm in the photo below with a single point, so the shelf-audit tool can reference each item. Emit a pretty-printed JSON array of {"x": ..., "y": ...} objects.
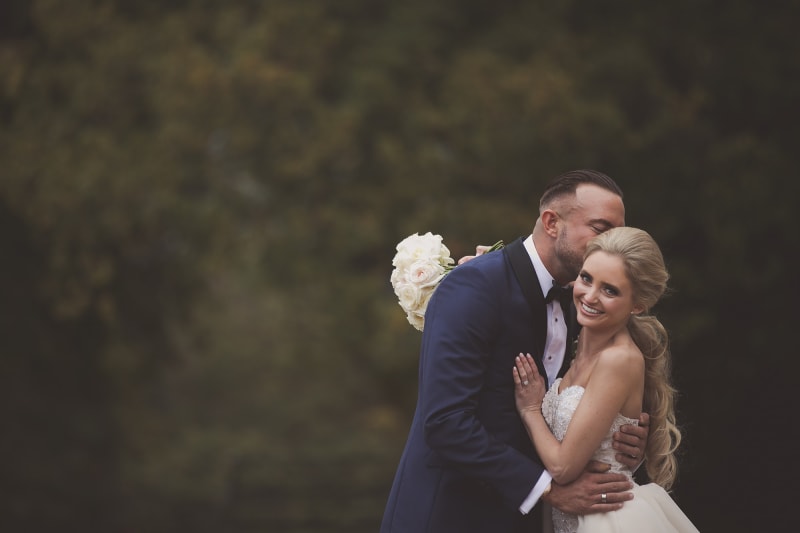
[{"x": 614, "y": 379}]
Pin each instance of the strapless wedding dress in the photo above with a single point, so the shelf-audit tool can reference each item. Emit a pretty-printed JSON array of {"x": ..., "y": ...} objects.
[{"x": 651, "y": 509}]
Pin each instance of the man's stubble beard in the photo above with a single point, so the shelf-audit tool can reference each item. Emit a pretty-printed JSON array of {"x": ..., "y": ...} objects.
[{"x": 571, "y": 260}]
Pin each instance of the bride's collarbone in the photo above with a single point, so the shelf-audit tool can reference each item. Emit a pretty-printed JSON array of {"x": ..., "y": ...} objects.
[{"x": 579, "y": 373}]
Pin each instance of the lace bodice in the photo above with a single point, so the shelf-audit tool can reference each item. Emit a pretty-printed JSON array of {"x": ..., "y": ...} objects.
[{"x": 558, "y": 408}]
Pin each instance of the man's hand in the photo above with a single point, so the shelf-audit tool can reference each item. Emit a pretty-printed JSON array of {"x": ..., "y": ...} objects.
[
  {"x": 630, "y": 442},
  {"x": 586, "y": 494}
]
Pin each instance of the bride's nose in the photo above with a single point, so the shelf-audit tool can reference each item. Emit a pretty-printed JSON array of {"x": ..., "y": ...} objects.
[{"x": 590, "y": 295}]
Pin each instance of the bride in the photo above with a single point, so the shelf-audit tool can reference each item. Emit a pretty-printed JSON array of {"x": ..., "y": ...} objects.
[{"x": 621, "y": 368}]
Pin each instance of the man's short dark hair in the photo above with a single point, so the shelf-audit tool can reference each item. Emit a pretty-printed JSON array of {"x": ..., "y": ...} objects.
[{"x": 566, "y": 183}]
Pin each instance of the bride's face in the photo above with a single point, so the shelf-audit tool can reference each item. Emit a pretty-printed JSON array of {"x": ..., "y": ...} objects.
[{"x": 603, "y": 293}]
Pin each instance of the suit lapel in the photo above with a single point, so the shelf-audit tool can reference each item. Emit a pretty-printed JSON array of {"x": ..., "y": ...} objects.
[
  {"x": 531, "y": 289},
  {"x": 573, "y": 328}
]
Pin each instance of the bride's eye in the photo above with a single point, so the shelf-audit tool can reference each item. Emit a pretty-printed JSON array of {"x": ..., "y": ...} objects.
[
  {"x": 584, "y": 277},
  {"x": 611, "y": 291}
]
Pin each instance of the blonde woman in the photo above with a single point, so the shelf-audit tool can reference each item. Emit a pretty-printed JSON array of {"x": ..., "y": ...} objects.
[{"x": 621, "y": 368}]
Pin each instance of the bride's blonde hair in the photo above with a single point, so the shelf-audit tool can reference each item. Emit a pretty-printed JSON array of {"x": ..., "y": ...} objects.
[{"x": 645, "y": 269}]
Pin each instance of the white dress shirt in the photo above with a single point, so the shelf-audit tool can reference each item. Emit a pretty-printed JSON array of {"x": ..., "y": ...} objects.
[
  {"x": 555, "y": 342},
  {"x": 553, "y": 357}
]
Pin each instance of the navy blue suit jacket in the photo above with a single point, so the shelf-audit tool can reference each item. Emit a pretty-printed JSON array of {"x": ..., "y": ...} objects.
[{"x": 468, "y": 463}]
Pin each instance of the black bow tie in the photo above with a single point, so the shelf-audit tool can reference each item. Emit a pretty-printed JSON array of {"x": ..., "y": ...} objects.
[{"x": 562, "y": 294}]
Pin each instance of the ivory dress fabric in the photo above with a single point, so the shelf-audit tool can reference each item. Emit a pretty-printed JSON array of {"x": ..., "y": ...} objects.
[{"x": 651, "y": 509}]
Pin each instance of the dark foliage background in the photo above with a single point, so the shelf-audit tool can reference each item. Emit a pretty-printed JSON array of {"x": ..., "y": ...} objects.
[{"x": 199, "y": 203}]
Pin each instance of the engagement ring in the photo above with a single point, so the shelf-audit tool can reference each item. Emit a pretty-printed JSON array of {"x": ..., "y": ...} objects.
[{"x": 604, "y": 498}]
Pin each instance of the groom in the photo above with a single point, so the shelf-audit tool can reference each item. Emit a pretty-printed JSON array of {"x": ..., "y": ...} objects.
[{"x": 468, "y": 465}]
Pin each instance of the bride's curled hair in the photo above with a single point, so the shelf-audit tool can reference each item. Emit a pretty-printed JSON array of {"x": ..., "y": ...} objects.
[{"x": 644, "y": 265}]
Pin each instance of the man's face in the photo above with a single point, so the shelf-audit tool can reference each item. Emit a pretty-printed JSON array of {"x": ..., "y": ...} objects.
[{"x": 593, "y": 211}]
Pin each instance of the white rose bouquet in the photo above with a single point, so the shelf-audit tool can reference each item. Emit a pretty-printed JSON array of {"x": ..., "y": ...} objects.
[{"x": 421, "y": 262}]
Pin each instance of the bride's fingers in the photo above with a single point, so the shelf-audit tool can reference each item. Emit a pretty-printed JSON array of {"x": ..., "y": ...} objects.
[
  {"x": 532, "y": 370},
  {"x": 531, "y": 365},
  {"x": 520, "y": 369},
  {"x": 526, "y": 362},
  {"x": 520, "y": 379}
]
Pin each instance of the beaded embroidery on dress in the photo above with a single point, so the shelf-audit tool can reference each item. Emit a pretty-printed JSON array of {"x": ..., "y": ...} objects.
[{"x": 651, "y": 510}]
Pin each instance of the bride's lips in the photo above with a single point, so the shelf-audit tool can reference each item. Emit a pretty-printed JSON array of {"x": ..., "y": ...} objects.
[{"x": 590, "y": 310}]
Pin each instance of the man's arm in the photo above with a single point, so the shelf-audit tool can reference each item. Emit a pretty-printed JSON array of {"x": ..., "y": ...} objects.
[{"x": 585, "y": 495}]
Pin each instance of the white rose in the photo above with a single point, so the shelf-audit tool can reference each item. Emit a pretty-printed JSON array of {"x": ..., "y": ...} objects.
[
  {"x": 416, "y": 320},
  {"x": 409, "y": 295},
  {"x": 425, "y": 272},
  {"x": 414, "y": 247},
  {"x": 398, "y": 276},
  {"x": 406, "y": 252}
]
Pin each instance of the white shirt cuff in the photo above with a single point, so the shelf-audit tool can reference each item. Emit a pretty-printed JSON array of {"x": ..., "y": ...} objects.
[{"x": 536, "y": 493}]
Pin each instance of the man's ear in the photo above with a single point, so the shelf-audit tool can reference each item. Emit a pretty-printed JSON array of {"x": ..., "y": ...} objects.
[{"x": 550, "y": 222}]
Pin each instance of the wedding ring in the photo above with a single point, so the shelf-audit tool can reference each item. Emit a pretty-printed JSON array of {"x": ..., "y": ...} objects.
[
  {"x": 525, "y": 382},
  {"x": 604, "y": 498}
]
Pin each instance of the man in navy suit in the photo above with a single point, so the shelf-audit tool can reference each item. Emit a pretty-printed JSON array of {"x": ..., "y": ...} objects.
[{"x": 468, "y": 465}]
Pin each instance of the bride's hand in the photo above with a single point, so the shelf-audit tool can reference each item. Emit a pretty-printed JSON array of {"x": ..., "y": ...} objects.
[
  {"x": 479, "y": 250},
  {"x": 529, "y": 384}
]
